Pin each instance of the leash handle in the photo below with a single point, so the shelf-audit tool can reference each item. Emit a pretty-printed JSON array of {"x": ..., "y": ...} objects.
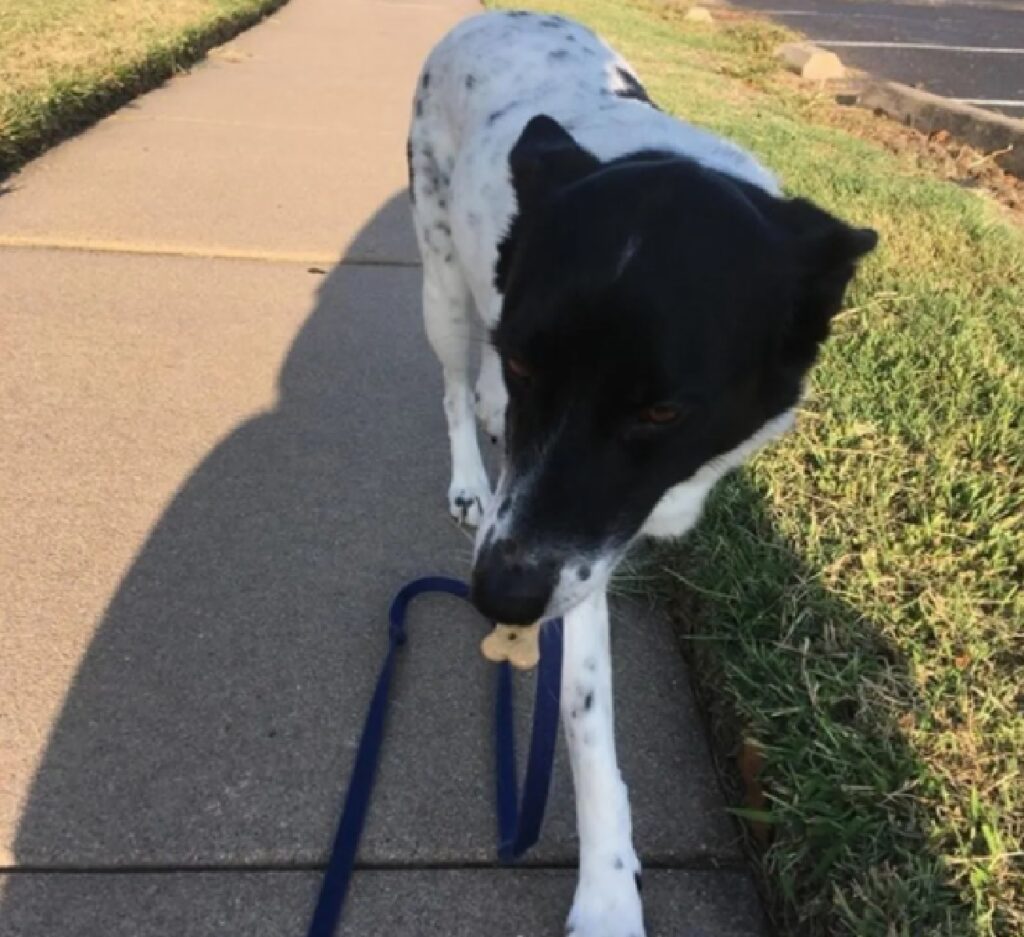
[
  {"x": 518, "y": 823},
  {"x": 338, "y": 873}
]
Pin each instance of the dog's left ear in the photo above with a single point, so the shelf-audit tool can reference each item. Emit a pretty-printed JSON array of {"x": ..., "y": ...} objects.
[
  {"x": 826, "y": 252},
  {"x": 545, "y": 158}
]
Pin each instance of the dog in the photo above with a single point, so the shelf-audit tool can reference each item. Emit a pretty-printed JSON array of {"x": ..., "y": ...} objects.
[{"x": 653, "y": 305}]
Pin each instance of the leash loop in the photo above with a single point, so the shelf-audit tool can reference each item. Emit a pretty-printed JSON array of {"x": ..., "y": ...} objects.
[{"x": 519, "y": 822}]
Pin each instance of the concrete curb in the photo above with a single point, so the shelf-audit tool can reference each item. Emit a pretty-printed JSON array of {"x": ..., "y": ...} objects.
[
  {"x": 811, "y": 62},
  {"x": 986, "y": 130}
]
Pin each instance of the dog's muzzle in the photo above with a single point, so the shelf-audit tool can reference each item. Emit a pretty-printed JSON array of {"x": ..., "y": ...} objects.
[{"x": 510, "y": 587}]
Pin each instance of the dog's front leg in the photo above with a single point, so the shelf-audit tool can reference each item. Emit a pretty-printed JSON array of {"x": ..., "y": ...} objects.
[
  {"x": 607, "y": 902},
  {"x": 491, "y": 396}
]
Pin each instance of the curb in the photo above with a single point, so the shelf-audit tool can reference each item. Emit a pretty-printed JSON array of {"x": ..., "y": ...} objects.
[
  {"x": 988, "y": 131},
  {"x": 811, "y": 62}
]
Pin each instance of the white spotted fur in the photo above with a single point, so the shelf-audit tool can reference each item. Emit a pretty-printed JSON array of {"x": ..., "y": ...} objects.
[{"x": 478, "y": 89}]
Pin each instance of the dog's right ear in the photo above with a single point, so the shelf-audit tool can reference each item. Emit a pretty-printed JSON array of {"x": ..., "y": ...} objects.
[
  {"x": 545, "y": 158},
  {"x": 827, "y": 251}
]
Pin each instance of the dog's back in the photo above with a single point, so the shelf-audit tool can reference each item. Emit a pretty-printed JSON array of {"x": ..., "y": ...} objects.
[{"x": 478, "y": 89}]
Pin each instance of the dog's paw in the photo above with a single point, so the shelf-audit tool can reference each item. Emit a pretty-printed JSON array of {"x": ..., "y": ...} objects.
[
  {"x": 608, "y": 904},
  {"x": 467, "y": 501}
]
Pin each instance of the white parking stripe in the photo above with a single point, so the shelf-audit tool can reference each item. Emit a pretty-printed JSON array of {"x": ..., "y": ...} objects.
[
  {"x": 926, "y": 46},
  {"x": 990, "y": 102}
]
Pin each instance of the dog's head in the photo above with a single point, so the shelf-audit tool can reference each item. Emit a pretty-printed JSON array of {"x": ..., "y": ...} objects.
[{"x": 658, "y": 321}]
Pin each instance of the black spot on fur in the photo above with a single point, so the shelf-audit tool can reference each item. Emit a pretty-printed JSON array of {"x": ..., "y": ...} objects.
[
  {"x": 558, "y": 56},
  {"x": 639, "y": 879},
  {"x": 419, "y": 107},
  {"x": 619, "y": 864},
  {"x": 425, "y": 81},
  {"x": 516, "y": 14},
  {"x": 552, "y": 22},
  {"x": 443, "y": 228},
  {"x": 498, "y": 114},
  {"x": 470, "y": 82},
  {"x": 634, "y": 90},
  {"x": 590, "y": 664},
  {"x": 588, "y": 701},
  {"x": 583, "y": 572}
]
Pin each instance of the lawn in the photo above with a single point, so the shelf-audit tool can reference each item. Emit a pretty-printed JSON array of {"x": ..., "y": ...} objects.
[
  {"x": 64, "y": 63},
  {"x": 852, "y": 601}
]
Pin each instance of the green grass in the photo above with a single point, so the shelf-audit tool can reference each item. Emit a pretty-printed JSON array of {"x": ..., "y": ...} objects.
[
  {"x": 65, "y": 63},
  {"x": 852, "y": 601}
]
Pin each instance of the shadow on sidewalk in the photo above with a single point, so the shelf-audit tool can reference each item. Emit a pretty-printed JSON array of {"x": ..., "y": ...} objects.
[
  {"x": 223, "y": 689},
  {"x": 213, "y": 717}
]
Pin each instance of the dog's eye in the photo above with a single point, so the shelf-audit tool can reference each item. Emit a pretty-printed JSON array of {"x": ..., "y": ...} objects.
[
  {"x": 661, "y": 414},
  {"x": 519, "y": 369}
]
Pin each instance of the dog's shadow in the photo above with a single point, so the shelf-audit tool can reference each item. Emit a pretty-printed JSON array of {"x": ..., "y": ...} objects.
[
  {"x": 202, "y": 727},
  {"x": 215, "y": 703}
]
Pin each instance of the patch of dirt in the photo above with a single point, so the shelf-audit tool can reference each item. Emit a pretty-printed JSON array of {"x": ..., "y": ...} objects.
[{"x": 939, "y": 153}]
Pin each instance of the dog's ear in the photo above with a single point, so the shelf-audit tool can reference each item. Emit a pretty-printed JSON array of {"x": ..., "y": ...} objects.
[
  {"x": 544, "y": 158},
  {"x": 826, "y": 252}
]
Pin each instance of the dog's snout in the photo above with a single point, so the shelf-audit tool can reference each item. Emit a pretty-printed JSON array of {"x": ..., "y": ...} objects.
[{"x": 509, "y": 587}]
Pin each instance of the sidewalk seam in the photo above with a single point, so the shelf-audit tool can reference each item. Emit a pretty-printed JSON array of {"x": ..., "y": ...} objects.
[
  {"x": 99, "y": 246},
  {"x": 705, "y": 864}
]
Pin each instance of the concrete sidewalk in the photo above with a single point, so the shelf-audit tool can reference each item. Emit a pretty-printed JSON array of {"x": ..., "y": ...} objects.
[{"x": 223, "y": 447}]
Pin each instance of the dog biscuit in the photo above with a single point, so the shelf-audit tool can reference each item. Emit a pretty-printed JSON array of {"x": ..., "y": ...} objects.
[{"x": 516, "y": 644}]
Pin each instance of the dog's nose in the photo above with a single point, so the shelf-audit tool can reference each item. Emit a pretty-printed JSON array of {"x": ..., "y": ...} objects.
[{"x": 509, "y": 588}]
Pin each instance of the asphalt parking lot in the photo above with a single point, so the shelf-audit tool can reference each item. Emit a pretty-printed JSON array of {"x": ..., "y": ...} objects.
[{"x": 971, "y": 51}]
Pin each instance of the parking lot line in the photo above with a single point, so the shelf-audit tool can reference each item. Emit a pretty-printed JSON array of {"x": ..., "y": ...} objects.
[
  {"x": 990, "y": 102},
  {"x": 923, "y": 46}
]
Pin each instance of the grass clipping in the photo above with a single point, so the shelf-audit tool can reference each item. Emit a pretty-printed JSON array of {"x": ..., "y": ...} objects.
[
  {"x": 65, "y": 63},
  {"x": 853, "y": 599}
]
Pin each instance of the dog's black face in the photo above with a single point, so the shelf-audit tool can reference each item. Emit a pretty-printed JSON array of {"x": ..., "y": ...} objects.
[{"x": 657, "y": 316}]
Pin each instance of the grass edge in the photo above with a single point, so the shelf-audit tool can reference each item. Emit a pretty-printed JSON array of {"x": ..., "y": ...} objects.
[{"x": 70, "y": 109}]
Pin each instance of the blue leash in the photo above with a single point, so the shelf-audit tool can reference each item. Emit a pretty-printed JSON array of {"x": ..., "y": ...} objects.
[{"x": 518, "y": 823}]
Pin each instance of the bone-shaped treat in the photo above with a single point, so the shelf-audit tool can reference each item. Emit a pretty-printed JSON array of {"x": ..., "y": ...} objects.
[{"x": 516, "y": 644}]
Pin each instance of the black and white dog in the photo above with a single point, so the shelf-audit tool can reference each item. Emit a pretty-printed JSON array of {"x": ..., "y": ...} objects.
[{"x": 653, "y": 304}]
